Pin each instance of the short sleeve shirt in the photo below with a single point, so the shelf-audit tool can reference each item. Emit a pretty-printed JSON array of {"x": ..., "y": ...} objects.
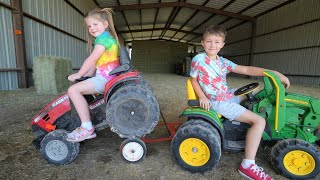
[
  {"x": 211, "y": 75},
  {"x": 109, "y": 60}
]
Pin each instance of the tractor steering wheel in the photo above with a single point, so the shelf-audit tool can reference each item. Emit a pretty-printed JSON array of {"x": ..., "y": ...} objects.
[{"x": 247, "y": 90}]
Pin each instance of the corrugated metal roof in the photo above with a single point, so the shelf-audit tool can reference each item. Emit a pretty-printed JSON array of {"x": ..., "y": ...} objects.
[{"x": 188, "y": 16}]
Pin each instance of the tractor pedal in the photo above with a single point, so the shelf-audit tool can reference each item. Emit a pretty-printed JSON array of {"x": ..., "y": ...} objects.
[{"x": 234, "y": 146}]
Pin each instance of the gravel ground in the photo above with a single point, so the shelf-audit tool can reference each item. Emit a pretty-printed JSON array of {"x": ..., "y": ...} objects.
[{"x": 100, "y": 158}]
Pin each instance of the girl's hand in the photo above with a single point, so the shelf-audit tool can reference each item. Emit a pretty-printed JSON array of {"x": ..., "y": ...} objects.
[
  {"x": 205, "y": 103},
  {"x": 73, "y": 77}
]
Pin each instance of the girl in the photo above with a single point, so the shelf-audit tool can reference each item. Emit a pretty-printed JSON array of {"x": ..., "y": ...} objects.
[{"x": 103, "y": 59}]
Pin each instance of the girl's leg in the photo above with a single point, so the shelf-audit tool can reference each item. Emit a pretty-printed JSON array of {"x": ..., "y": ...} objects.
[{"x": 75, "y": 93}]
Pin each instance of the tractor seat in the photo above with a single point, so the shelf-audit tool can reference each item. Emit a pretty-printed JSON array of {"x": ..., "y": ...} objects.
[
  {"x": 193, "y": 99},
  {"x": 125, "y": 62}
]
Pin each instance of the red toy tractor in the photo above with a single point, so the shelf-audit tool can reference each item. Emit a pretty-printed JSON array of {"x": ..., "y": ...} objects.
[{"x": 128, "y": 106}]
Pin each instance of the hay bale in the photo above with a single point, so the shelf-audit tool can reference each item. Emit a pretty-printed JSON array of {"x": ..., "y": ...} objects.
[{"x": 49, "y": 74}]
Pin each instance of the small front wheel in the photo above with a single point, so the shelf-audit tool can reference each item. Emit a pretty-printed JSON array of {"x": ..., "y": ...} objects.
[
  {"x": 133, "y": 150},
  {"x": 57, "y": 150}
]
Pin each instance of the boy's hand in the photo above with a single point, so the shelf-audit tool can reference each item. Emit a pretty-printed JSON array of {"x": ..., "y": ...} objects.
[
  {"x": 73, "y": 77},
  {"x": 285, "y": 81},
  {"x": 205, "y": 103}
]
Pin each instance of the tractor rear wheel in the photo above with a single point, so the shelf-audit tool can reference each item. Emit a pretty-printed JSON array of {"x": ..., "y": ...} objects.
[
  {"x": 196, "y": 147},
  {"x": 295, "y": 159},
  {"x": 132, "y": 111}
]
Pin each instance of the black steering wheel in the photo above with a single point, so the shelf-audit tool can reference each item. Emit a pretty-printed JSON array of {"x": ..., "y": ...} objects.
[{"x": 247, "y": 90}]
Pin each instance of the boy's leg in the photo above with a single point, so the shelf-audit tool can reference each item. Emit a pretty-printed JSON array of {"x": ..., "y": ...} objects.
[
  {"x": 248, "y": 168},
  {"x": 254, "y": 134}
]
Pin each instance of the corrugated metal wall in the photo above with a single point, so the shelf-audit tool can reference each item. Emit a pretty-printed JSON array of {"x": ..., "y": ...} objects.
[
  {"x": 291, "y": 44},
  {"x": 8, "y": 80},
  {"x": 43, "y": 40},
  {"x": 287, "y": 40},
  {"x": 67, "y": 39}
]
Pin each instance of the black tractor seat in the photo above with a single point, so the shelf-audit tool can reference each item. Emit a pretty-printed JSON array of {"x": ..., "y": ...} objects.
[{"x": 125, "y": 62}]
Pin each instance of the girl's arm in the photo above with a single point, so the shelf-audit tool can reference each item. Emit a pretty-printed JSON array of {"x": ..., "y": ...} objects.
[
  {"x": 88, "y": 63},
  {"x": 204, "y": 101},
  {"x": 91, "y": 72},
  {"x": 256, "y": 71}
]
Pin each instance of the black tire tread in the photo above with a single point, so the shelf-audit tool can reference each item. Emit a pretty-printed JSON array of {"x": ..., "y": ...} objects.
[
  {"x": 282, "y": 147},
  {"x": 198, "y": 131},
  {"x": 60, "y": 134},
  {"x": 139, "y": 92}
]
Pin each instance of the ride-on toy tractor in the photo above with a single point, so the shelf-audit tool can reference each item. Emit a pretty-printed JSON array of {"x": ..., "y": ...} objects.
[
  {"x": 128, "y": 106},
  {"x": 292, "y": 120}
]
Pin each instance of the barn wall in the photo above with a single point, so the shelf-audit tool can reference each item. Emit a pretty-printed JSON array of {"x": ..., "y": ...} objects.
[
  {"x": 66, "y": 38},
  {"x": 293, "y": 40},
  {"x": 157, "y": 56},
  {"x": 8, "y": 79},
  {"x": 286, "y": 40}
]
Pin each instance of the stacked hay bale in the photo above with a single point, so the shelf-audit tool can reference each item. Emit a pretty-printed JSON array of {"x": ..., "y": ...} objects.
[{"x": 50, "y": 74}]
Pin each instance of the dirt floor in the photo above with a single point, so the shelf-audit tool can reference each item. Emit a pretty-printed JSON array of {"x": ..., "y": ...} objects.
[{"x": 99, "y": 158}]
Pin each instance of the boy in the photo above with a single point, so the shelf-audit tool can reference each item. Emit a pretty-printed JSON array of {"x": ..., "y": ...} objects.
[{"x": 208, "y": 78}]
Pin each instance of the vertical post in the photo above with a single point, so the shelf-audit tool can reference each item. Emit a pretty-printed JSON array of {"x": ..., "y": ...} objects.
[
  {"x": 18, "y": 30},
  {"x": 252, "y": 44}
]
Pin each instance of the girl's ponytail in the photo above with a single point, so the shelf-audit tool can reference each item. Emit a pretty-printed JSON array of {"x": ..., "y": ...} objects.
[{"x": 108, "y": 12}]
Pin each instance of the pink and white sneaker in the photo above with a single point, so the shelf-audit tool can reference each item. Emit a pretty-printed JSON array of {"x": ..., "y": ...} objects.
[
  {"x": 254, "y": 172},
  {"x": 81, "y": 134}
]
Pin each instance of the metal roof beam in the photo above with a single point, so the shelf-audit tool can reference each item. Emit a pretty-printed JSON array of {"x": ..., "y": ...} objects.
[
  {"x": 159, "y": 29},
  {"x": 182, "y": 4}
]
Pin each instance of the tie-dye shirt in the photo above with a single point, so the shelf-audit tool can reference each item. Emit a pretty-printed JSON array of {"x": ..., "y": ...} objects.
[
  {"x": 211, "y": 75},
  {"x": 109, "y": 60}
]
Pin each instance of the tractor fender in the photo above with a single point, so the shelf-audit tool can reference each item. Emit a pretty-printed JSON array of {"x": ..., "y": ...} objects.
[
  {"x": 126, "y": 77},
  {"x": 211, "y": 117},
  {"x": 51, "y": 113}
]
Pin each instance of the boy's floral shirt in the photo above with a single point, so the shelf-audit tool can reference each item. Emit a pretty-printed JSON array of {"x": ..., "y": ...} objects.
[{"x": 211, "y": 75}]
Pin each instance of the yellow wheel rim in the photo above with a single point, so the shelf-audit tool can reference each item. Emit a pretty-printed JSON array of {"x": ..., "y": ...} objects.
[
  {"x": 299, "y": 162},
  {"x": 194, "y": 152}
]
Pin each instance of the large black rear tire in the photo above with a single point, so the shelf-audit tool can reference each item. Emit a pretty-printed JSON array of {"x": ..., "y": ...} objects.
[
  {"x": 132, "y": 111},
  {"x": 196, "y": 147}
]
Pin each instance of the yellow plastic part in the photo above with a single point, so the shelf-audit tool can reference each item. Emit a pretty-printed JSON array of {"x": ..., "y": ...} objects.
[
  {"x": 190, "y": 91},
  {"x": 299, "y": 162},
  {"x": 194, "y": 152}
]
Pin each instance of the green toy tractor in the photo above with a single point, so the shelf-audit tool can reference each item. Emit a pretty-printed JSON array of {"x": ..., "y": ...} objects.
[{"x": 292, "y": 121}]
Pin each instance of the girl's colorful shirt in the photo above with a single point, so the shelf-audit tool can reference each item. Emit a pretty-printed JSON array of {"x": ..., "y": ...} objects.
[
  {"x": 211, "y": 75},
  {"x": 109, "y": 60}
]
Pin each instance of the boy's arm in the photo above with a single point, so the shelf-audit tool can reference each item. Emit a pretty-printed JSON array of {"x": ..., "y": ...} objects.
[
  {"x": 256, "y": 71},
  {"x": 204, "y": 101}
]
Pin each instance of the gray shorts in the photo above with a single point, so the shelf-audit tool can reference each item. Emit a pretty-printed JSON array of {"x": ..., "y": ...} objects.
[
  {"x": 230, "y": 109},
  {"x": 99, "y": 83}
]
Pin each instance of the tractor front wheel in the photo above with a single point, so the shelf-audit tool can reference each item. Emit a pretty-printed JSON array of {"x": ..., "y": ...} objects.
[
  {"x": 57, "y": 150},
  {"x": 196, "y": 148},
  {"x": 296, "y": 159}
]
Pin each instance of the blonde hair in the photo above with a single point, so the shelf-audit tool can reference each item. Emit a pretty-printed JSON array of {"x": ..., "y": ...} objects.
[{"x": 102, "y": 15}]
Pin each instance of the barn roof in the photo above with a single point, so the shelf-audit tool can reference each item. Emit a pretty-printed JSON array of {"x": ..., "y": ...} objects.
[{"x": 182, "y": 20}]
